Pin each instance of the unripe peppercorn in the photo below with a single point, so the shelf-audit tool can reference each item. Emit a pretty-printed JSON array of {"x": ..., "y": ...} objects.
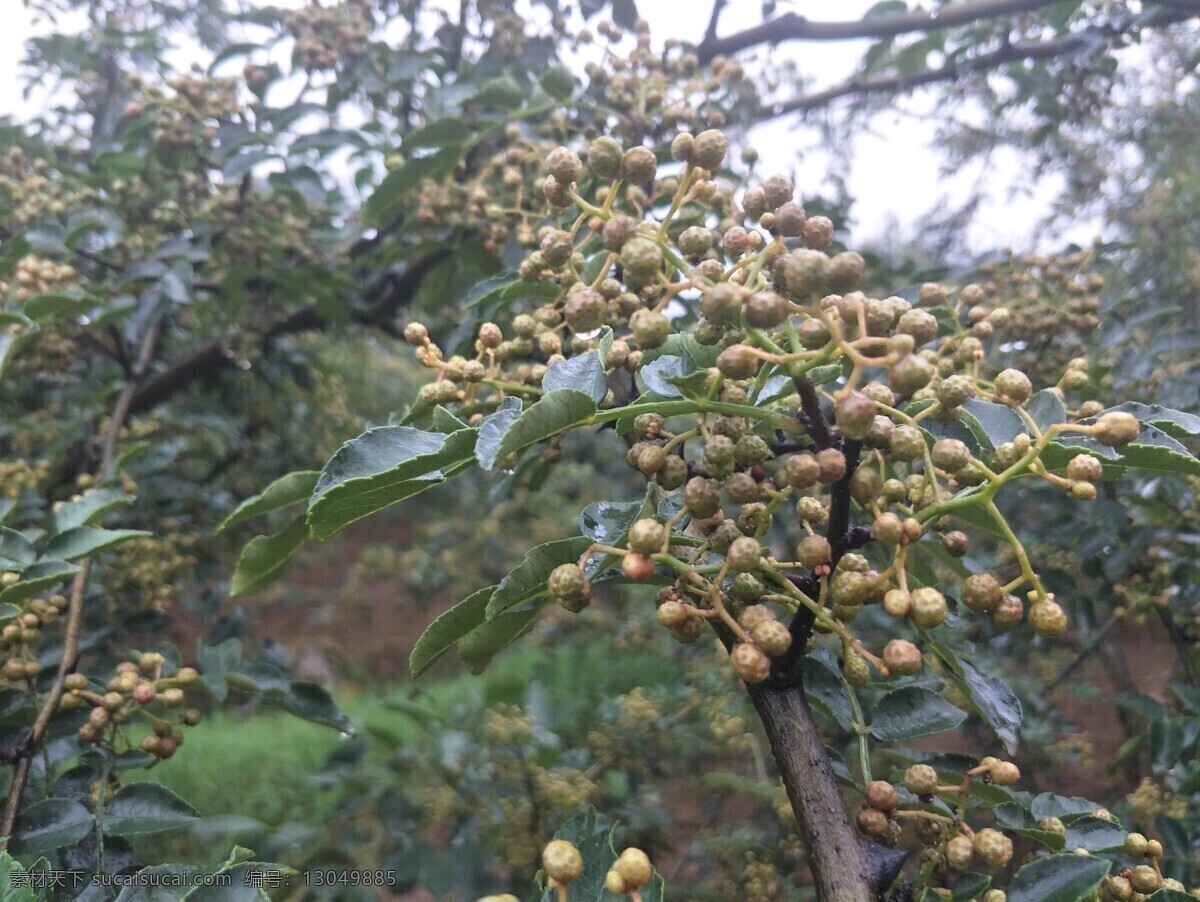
[
  {"x": 651, "y": 459},
  {"x": 801, "y": 471},
  {"x": 1135, "y": 845},
  {"x": 929, "y": 607},
  {"x": 569, "y": 588},
  {"x": 921, "y": 780},
  {"x": 920, "y": 324},
  {"x": 709, "y": 150},
  {"x": 682, "y": 146},
  {"x": 901, "y": 657},
  {"x": 811, "y": 511},
  {"x": 672, "y": 614},
  {"x": 813, "y": 551},
  {"x": 1013, "y": 387},
  {"x": 673, "y": 474},
  {"x": 1154, "y": 848},
  {"x": 897, "y": 603},
  {"x": 744, "y": 554},
  {"x": 907, "y": 443},
  {"x": 650, "y": 328},
  {"x": 695, "y": 241},
  {"x": 959, "y": 853},
  {"x": 833, "y": 465},
  {"x": 881, "y": 795},
  {"x": 909, "y": 375},
  {"x": 1119, "y": 888},
  {"x": 585, "y": 311},
  {"x": 75, "y": 681},
  {"x": 562, "y": 861},
  {"x": 790, "y": 220},
  {"x": 738, "y": 362},
  {"x": 721, "y": 303},
  {"x": 1052, "y": 825},
  {"x": 637, "y": 567},
  {"x": 855, "y": 668},
  {"x": 981, "y": 592},
  {"x": 701, "y": 498},
  {"x": 1144, "y": 879},
  {"x": 772, "y": 637},
  {"x": 647, "y": 536},
  {"x": 634, "y": 867},
  {"x": 564, "y": 164},
  {"x": 871, "y": 822},
  {"x": 765, "y": 310},
  {"x": 855, "y": 413},
  {"x": 956, "y": 543},
  {"x": 993, "y": 847},
  {"x": 750, "y": 662},
  {"x": 818, "y": 232},
  {"x": 804, "y": 271},
  {"x": 1048, "y": 619},
  {"x": 604, "y": 157},
  {"x": 638, "y": 165},
  {"x": 888, "y": 529},
  {"x": 950, "y": 454},
  {"x": 1005, "y": 773},
  {"x": 1116, "y": 428}
]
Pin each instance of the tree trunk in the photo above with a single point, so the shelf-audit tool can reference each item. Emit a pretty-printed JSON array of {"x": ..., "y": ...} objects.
[{"x": 835, "y": 852}]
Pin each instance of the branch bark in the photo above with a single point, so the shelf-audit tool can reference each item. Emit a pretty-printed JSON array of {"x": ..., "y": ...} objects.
[
  {"x": 835, "y": 853},
  {"x": 794, "y": 27}
]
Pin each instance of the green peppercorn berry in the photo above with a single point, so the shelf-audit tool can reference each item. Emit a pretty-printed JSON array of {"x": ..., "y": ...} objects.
[
  {"x": 569, "y": 588},
  {"x": 701, "y": 498},
  {"x": 751, "y": 449},
  {"x": 738, "y": 362},
  {"x": 750, "y": 662},
  {"x": 909, "y": 374},
  {"x": 907, "y": 443},
  {"x": 562, "y": 861},
  {"x": 744, "y": 554},
  {"x": 981, "y": 592},
  {"x": 747, "y": 587},
  {"x": 638, "y": 165},
  {"x": 1116, "y": 428},
  {"x": 673, "y": 473},
  {"x": 929, "y": 607},
  {"x": 695, "y": 241},
  {"x": 1013, "y": 387},
  {"x": 585, "y": 311},
  {"x": 647, "y": 536},
  {"x": 650, "y": 328},
  {"x": 950, "y": 454},
  {"x": 651, "y": 459},
  {"x": 765, "y": 310},
  {"x": 710, "y": 149},
  {"x": 855, "y": 668}
]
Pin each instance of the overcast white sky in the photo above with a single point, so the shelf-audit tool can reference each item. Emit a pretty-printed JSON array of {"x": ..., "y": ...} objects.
[{"x": 895, "y": 174}]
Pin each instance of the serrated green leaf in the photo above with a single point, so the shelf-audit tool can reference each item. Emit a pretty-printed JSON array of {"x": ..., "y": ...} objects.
[
  {"x": 478, "y": 647},
  {"x": 1175, "y": 422},
  {"x": 308, "y": 701},
  {"x": 36, "y": 578},
  {"x": 826, "y": 691},
  {"x": 283, "y": 492},
  {"x": 501, "y": 92},
  {"x": 438, "y": 133},
  {"x": 997, "y": 423},
  {"x": 658, "y": 373},
  {"x": 968, "y": 887},
  {"x": 1058, "y": 877},
  {"x": 528, "y": 579},
  {"x": 607, "y": 523},
  {"x": 555, "y": 412},
  {"x": 160, "y": 883},
  {"x": 1047, "y": 804},
  {"x": 16, "y": 551},
  {"x": 382, "y": 467},
  {"x": 1046, "y": 409},
  {"x": 96, "y": 503},
  {"x": 56, "y": 305},
  {"x": 264, "y": 557},
  {"x": 390, "y": 197},
  {"x": 83, "y": 541},
  {"x": 145, "y": 807},
  {"x": 583, "y": 372},
  {"x": 493, "y": 429},
  {"x": 14, "y": 888},
  {"x": 450, "y": 626},
  {"x": 996, "y": 703},
  {"x": 9, "y": 612},
  {"x": 50, "y": 824},
  {"x": 911, "y": 712},
  {"x": 1096, "y": 834}
]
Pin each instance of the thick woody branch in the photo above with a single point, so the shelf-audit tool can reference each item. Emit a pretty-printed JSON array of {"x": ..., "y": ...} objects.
[{"x": 794, "y": 27}]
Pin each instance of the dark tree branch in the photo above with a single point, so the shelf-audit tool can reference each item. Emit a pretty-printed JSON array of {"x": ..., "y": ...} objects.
[
  {"x": 793, "y": 27},
  {"x": 1170, "y": 13},
  {"x": 811, "y": 414},
  {"x": 710, "y": 33},
  {"x": 394, "y": 292},
  {"x": 837, "y": 858}
]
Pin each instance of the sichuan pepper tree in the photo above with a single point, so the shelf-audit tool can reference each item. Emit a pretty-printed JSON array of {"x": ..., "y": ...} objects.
[{"x": 810, "y": 453}]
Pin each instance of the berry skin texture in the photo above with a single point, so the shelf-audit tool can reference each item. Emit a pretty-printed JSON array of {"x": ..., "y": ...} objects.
[
  {"x": 814, "y": 551},
  {"x": 647, "y": 536},
  {"x": 1013, "y": 387},
  {"x": 959, "y": 853},
  {"x": 701, "y": 498},
  {"x": 637, "y": 567},
  {"x": 1145, "y": 879},
  {"x": 993, "y": 847},
  {"x": 921, "y": 780},
  {"x": 1084, "y": 467},
  {"x": 950, "y": 454},
  {"x": 562, "y": 861},
  {"x": 569, "y": 588},
  {"x": 1116, "y": 428},
  {"x": 772, "y": 637},
  {"x": 750, "y": 662},
  {"x": 901, "y": 657},
  {"x": 1048, "y": 619},
  {"x": 871, "y": 822},
  {"x": 634, "y": 867},
  {"x": 744, "y": 554},
  {"x": 929, "y": 607},
  {"x": 614, "y": 884},
  {"x": 981, "y": 592},
  {"x": 672, "y": 614},
  {"x": 1005, "y": 773},
  {"x": 855, "y": 669},
  {"x": 882, "y": 796}
]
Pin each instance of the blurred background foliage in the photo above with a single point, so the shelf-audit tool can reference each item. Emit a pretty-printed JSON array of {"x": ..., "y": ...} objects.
[{"x": 210, "y": 220}]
